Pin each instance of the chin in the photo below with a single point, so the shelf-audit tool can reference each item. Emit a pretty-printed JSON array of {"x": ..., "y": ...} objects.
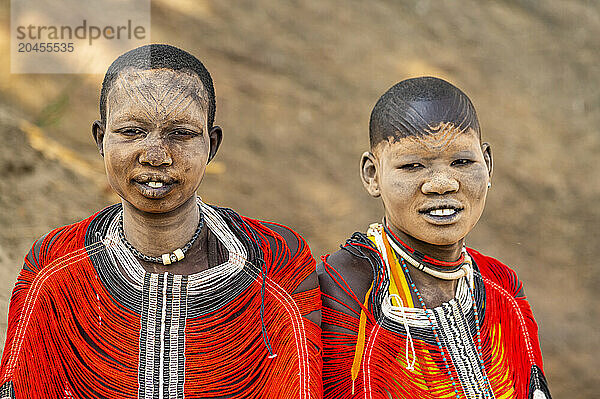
[
  {"x": 443, "y": 242},
  {"x": 150, "y": 205},
  {"x": 443, "y": 238}
]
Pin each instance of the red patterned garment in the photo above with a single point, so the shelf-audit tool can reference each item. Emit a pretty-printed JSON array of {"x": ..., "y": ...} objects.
[
  {"x": 400, "y": 356},
  {"x": 87, "y": 321}
]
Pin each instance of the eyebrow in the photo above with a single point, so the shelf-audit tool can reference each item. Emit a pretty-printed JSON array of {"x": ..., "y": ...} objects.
[
  {"x": 131, "y": 118},
  {"x": 413, "y": 156},
  {"x": 144, "y": 122},
  {"x": 177, "y": 121},
  {"x": 463, "y": 153}
]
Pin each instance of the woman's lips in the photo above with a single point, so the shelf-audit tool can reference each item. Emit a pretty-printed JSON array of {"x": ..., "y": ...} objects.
[
  {"x": 154, "y": 189},
  {"x": 442, "y": 216},
  {"x": 443, "y": 212}
]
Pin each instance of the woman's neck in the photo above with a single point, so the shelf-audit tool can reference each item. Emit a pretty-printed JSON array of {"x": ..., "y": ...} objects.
[
  {"x": 447, "y": 253},
  {"x": 434, "y": 291},
  {"x": 154, "y": 234}
]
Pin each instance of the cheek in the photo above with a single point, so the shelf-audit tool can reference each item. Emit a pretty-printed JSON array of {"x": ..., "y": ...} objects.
[
  {"x": 402, "y": 199},
  {"x": 476, "y": 195},
  {"x": 398, "y": 197},
  {"x": 396, "y": 187},
  {"x": 193, "y": 164},
  {"x": 115, "y": 162},
  {"x": 475, "y": 186},
  {"x": 190, "y": 153}
]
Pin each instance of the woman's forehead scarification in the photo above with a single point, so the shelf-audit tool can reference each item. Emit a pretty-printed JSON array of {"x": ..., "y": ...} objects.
[
  {"x": 159, "y": 91},
  {"x": 445, "y": 137},
  {"x": 439, "y": 138}
]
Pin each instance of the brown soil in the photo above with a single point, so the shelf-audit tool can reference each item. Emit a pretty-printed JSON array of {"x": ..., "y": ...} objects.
[{"x": 295, "y": 84}]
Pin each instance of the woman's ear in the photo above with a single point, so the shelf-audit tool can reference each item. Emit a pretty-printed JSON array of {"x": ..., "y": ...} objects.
[
  {"x": 368, "y": 173},
  {"x": 487, "y": 156},
  {"x": 98, "y": 133},
  {"x": 215, "y": 136}
]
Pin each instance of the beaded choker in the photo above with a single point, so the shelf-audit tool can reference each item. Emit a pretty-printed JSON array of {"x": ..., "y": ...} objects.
[
  {"x": 436, "y": 268},
  {"x": 165, "y": 259}
]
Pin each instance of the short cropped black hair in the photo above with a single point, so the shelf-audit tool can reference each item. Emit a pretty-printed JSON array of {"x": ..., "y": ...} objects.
[
  {"x": 157, "y": 56},
  {"x": 415, "y": 106}
]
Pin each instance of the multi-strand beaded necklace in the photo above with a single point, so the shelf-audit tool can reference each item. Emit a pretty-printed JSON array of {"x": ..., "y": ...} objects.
[{"x": 456, "y": 272}]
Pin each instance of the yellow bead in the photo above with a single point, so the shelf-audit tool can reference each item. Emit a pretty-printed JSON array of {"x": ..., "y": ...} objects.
[
  {"x": 166, "y": 259},
  {"x": 179, "y": 254}
]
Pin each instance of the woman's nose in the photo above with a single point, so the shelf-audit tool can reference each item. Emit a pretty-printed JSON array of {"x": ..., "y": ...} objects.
[
  {"x": 155, "y": 154},
  {"x": 440, "y": 183}
]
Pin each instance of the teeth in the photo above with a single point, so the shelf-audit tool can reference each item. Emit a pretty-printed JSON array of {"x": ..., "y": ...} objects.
[
  {"x": 442, "y": 212},
  {"x": 155, "y": 184}
]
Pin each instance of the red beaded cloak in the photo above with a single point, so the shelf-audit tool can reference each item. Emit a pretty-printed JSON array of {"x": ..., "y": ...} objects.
[
  {"x": 81, "y": 328},
  {"x": 510, "y": 347}
]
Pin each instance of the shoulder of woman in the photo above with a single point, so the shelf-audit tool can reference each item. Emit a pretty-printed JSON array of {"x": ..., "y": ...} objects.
[
  {"x": 292, "y": 238},
  {"x": 496, "y": 271},
  {"x": 346, "y": 277},
  {"x": 60, "y": 245}
]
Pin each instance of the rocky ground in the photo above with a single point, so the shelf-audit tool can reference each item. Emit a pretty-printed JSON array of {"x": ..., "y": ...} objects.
[{"x": 295, "y": 84}]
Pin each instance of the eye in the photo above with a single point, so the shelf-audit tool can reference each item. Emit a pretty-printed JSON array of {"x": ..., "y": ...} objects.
[
  {"x": 461, "y": 162},
  {"x": 182, "y": 133},
  {"x": 411, "y": 166},
  {"x": 131, "y": 132}
]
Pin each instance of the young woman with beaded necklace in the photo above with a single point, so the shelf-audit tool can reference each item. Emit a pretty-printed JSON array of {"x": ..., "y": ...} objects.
[
  {"x": 163, "y": 295},
  {"x": 408, "y": 310}
]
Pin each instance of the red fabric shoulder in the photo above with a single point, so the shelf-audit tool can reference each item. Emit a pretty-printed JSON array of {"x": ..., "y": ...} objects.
[
  {"x": 505, "y": 298},
  {"x": 497, "y": 272},
  {"x": 287, "y": 255},
  {"x": 56, "y": 244}
]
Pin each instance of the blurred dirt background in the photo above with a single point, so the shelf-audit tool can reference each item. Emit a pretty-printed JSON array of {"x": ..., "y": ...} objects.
[{"x": 295, "y": 83}]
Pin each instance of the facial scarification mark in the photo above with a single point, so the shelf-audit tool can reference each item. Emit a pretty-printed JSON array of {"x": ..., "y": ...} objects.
[
  {"x": 125, "y": 86},
  {"x": 143, "y": 88},
  {"x": 440, "y": 137},
  {"x": 163, "y": 97}
]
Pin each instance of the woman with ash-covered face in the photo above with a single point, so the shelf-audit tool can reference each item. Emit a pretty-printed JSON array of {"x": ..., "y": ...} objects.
[
  {"x": 408, "y": 310},
  {"x": 162, "y": 295}
]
